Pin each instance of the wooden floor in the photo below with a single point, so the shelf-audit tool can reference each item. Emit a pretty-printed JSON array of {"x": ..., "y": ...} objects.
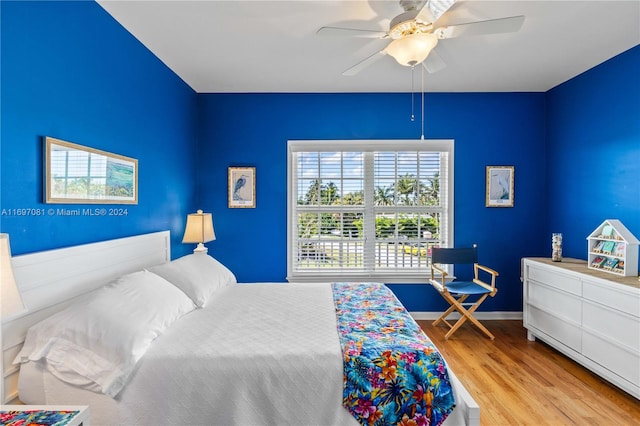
[{"x": 518, "y": 382}]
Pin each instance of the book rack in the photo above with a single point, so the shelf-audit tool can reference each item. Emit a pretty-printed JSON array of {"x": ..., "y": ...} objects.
[{"x": 613, "y": 249}]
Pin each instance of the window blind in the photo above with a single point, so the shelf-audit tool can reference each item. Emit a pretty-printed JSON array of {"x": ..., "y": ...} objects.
[{"x": 367, "y": 209}]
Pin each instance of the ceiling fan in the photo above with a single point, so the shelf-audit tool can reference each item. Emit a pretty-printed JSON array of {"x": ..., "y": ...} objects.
[{"x": 414, "y": 36}]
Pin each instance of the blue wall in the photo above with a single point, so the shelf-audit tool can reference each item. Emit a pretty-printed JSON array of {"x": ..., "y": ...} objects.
[
  {"x": 70, "y": 71},
  {"x": 594, "y": 151},
  {"x": 488, "y": 129}
]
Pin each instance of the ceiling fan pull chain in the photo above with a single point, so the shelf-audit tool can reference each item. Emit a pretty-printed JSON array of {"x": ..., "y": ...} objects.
[
  {"x": 413, "y": 117},
  {"x": 422, "y": 78}
]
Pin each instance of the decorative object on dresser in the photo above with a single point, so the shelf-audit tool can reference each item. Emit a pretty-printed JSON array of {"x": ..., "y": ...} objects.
[
  {"x": 199, "y": 229},
  {"x": 590, "y": 316},
  {"x": 556, "y": 247},
  {"x": 613, "y": 249}
]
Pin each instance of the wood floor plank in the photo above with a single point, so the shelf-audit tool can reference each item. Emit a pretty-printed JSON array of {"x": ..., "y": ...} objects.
[{"x": 519, "y": 382}]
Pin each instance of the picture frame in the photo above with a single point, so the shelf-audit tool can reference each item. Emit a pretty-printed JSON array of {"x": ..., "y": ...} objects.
[
  {"x": 499, "y": 186},
  {"x": 242, "y": 187},
  {"x": 76, "y": 174}
]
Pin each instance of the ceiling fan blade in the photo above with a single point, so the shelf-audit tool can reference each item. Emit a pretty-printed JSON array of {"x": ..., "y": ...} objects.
[
  {"x": 434, "y": 62},
  {"x": 492, "y": 26},
  {"x": 350, "y": 32},
  {"x": 434, "y": 9},
  {"x": 365, "y": 63}
]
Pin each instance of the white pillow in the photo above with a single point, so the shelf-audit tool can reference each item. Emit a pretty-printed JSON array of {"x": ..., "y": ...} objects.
[
  {"x": 103, "y": 338},
  {"x": 198, "y": 275}
]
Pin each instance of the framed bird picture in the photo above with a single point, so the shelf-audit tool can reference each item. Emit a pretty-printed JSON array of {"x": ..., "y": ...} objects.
[
  {"x": 242, "y": 187},
  {"x": 499, "y": 186}
]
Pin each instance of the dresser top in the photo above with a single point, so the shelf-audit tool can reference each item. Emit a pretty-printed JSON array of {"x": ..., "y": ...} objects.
[{"x": 580, "y": 266}]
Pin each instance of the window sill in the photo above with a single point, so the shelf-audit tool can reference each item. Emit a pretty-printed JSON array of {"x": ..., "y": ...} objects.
[{"x": 388, "y": 278}]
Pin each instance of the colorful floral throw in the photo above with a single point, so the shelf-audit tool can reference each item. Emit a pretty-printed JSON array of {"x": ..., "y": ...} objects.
[
  {"x": 36, "y": 417},
  {"x": 393, "y": 374}
]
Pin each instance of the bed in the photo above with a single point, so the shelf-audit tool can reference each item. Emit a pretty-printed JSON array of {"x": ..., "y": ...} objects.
[{"x": 237, "y": 359}]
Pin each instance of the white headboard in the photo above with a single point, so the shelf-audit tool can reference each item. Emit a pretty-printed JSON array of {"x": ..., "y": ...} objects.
[{"x": 50, "y": 280}]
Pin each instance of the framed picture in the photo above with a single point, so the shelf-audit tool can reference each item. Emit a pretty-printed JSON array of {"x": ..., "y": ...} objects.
[
  {"x": 242, "y": 187},
  {"x": 76, "y": 174},
  {"x": 499, "y": 186}
]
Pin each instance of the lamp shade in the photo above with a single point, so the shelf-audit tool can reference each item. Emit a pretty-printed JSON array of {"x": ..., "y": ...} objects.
[
  {"x": 199, "y": 230},
  {"x": 11, "y": 303},
  {"x": 412, "y": 49}
]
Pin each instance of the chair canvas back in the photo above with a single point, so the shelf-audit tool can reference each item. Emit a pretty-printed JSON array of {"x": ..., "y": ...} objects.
[{"x": 452, "y": 256}]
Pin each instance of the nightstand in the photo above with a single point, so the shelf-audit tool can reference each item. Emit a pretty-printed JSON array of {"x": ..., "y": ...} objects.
[{"x": 63, "y": 415}]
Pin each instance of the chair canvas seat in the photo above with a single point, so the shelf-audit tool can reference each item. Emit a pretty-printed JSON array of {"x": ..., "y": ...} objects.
[
  {"x": 466, "y": 287},
  {"x": 456, "y": 293}
]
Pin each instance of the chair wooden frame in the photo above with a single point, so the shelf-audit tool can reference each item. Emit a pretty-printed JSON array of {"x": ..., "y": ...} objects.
[{"x": 458, "y": 300}]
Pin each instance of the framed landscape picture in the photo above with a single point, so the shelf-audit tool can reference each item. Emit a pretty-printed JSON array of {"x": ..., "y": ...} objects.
[
  {"x": 76, "y": 174},
  {"x": 499, "y": 186},
  {"x": 242, "y": 187}
]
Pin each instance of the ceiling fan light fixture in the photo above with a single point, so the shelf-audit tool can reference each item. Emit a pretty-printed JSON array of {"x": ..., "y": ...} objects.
[{"x": 412, "y": 49}]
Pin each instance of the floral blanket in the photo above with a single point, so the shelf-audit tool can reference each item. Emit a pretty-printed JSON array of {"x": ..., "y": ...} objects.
[{"x": 393, "y": 374}]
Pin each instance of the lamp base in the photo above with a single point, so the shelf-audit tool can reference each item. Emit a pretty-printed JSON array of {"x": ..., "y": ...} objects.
[{"x": 200, "y": 248}]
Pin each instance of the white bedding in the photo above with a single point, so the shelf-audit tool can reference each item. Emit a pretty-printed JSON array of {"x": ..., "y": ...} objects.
[{"x": 256, "y": 354}]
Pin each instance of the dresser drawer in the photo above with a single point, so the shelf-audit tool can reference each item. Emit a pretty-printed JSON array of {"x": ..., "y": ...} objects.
[
  {"x": 560, "y": 304},
  {"x": 623, "y": 363},
  {"x": 616, "y": 327},
  {"x": 566, "y": 333},
  {"x": 568, "y": 283},
  {"x": 611, "y": 296}
]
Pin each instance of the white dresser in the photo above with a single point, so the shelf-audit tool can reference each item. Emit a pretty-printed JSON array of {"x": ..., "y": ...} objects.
[{"x": 590, "y": 316}]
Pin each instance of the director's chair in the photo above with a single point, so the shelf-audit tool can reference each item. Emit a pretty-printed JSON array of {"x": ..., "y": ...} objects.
[{"x": 456, "y": 292}]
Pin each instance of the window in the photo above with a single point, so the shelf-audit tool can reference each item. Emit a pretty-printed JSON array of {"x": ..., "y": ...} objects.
[{"x": 367, "y": 210}]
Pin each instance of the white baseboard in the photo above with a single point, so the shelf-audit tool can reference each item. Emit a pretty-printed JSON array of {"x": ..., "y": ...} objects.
[{"x": 494, "y": 315}]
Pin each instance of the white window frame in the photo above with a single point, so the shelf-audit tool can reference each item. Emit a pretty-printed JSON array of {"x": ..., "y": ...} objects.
[{"x": 396, "y": 275}]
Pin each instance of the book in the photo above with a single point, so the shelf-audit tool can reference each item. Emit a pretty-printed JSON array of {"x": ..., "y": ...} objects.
[
  {"x": 598, "y": 261},
  {"x": 597, "y": 248},
  {"x": 619, "y": 249},
  {"x": 607, "y": 231},
  {"x": 608, "y": 246},
  {"x": 610, "y": 264}
]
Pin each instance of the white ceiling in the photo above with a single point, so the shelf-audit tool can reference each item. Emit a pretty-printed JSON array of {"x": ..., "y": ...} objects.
[{"x": 272, "y": 46}]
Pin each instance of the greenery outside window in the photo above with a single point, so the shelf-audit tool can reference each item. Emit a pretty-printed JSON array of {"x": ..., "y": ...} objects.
[{"x": 367, "y": 210}]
